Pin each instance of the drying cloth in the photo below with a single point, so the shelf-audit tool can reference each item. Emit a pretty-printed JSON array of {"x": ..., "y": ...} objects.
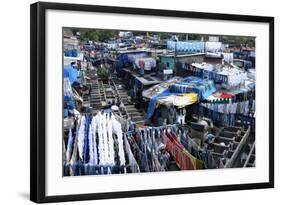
[
  {"x": 145, "y": 63},
  {"x": 178, "y": 100},
  {"x": 186, "y": 46},
  {"x": 197, "y": 164},
  {"x": 222, "y": 95},
  {"x": 204, "y": 88}
]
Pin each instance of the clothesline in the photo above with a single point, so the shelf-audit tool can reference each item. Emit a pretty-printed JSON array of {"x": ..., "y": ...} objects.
[
  {"x": 90, "y": 148},
  {"x": 180, "y": 150},
  {"x": 152, "y": 128},
  {"x": 243, "y": 107},
  {"x": 232, "y": 77},
  {"x": 94, "y": 143}
]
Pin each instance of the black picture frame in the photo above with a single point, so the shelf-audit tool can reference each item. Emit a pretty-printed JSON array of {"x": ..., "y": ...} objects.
[{"x": 38, "y": 100}]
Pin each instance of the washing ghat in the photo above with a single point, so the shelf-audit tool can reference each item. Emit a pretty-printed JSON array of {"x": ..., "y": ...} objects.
[{"x": 140, "y": 101}]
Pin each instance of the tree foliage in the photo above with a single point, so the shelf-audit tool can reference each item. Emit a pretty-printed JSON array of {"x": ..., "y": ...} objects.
[
  {"x": 237, "y": 41},
  {"x": 105, "y": 35},
  {"x": 97, "y": 35}
]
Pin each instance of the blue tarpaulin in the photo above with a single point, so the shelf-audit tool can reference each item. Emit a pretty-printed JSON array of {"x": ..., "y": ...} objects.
[
  {"x": 152, "y": 103},
  {"x": 70, "y": 53},
  {"x": 71, "y": 73},
  {"x": 204, "y": 88}
]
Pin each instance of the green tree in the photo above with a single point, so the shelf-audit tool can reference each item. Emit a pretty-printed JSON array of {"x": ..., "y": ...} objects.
[{"x": 97, "y": 35}]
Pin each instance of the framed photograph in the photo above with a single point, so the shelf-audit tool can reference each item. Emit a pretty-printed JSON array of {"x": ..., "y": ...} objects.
[{"x": 129, "y": 102}]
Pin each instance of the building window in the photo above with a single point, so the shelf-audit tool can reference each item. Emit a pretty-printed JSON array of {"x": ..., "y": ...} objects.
[{"x": 168, "y": 65}]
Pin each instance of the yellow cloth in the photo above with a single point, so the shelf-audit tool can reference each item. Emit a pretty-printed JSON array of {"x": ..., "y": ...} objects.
[
  {"x": 197, "y": 164},
  {"x": 193, "y": 97},
  {"x": 178, "y": 100}
]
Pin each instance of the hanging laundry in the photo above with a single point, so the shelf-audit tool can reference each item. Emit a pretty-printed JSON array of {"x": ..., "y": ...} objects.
[
  {"x": 69, "y": 146},
  {"x": 81, "y": 137},
  {"x": 115, "y": 127},
  {"x": 178, "y": 100},
  {"x": 94, "y": 146},
  {"x": 183, "y": 158},
  {"x": 230, "y": 76},
  {"x": 186, "y": 46},
  {"x": 146, "y": 63}
]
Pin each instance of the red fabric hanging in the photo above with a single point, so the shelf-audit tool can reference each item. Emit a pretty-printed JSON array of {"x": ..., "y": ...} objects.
[
  {"x": 176, "y": 150},
  {"x": 222, "y": 95}
]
